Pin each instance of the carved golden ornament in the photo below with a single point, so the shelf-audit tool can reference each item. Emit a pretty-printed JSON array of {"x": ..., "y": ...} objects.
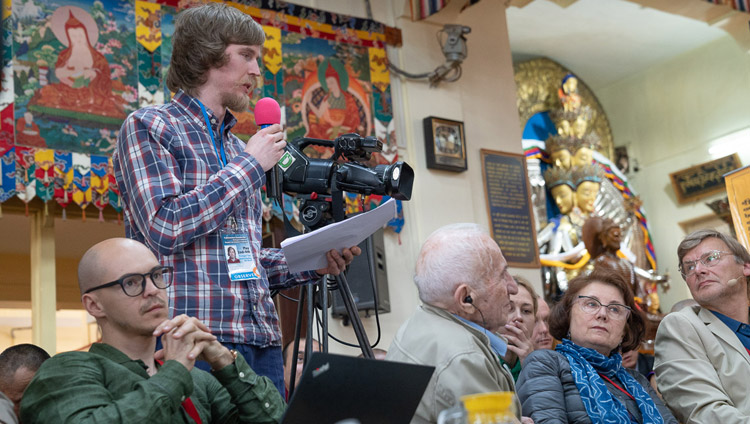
[{"x": 537, "y": 84}]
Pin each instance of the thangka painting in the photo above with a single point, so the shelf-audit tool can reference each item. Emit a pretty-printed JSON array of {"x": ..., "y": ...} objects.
[
  {"x": 75, "y": 74},
  {"x": 73, "y": 70},
  {"x": 330, "y": 76}
]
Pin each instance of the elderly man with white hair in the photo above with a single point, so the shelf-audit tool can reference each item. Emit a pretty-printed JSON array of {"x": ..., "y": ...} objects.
[{"x": 464, "y": 285}]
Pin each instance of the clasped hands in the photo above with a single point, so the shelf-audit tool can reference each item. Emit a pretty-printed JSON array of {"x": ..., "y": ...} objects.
[{"x": 186, "y": 339}]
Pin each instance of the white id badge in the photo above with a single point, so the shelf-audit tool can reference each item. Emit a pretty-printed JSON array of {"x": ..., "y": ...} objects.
[{"x": 238, "y": 253}]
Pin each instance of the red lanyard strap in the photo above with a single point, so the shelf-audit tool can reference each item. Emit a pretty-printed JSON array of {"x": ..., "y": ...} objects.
[
  {"x": 189, "y": 406},
  {"x": 616, "y": 385}
]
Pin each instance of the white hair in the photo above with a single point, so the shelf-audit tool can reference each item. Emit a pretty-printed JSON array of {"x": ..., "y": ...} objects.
[{"x": 453, "y": 254}]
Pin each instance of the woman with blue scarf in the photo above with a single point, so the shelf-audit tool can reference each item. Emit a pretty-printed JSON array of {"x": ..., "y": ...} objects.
[{"x": 583, "y": 379}]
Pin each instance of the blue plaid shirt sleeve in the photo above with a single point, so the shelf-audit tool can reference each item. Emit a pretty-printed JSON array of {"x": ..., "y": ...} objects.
[
  {"x": 169, "y": 217},
  {"x": 279, "y": 277}
]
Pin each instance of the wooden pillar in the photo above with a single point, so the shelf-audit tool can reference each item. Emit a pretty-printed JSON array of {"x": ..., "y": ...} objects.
[{"x": 43, "y": 284}]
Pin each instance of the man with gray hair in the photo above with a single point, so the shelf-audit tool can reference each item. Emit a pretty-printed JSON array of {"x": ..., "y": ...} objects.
[
  {"x": 464, "y": 285},
  {"x": 702, "y": 359}
]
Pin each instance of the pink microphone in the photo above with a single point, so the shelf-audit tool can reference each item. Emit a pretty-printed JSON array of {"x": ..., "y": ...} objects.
[{"x": 267, "y": 113}]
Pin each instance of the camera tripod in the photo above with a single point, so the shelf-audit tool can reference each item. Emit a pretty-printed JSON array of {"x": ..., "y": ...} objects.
[{"x": 332, "y": 211}]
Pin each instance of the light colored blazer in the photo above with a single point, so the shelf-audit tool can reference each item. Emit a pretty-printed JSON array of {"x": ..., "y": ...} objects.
[
  {"x": 702, "y": 369},
  {"x": 463, "y": 359}
]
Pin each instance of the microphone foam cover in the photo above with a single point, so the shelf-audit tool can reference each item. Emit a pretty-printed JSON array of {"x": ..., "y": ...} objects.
[{"x": 267, "y": 112}]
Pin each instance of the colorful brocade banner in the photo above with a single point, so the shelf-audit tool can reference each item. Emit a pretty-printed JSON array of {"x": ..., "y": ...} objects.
[{"x": 71, "y": 74}]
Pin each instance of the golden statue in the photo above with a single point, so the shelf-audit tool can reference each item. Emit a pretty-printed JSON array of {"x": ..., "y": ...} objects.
[
  {"x": 560, "y": 149},
  {"x": 568, "y": 93},
  {"x": 584, "y": 152},
  {"x": 560, "y": 234},
  {"x": 588, "y": 180}
]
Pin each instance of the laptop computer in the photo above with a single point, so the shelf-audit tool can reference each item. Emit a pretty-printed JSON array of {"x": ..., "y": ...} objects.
[{"x": 335, "y": 387}]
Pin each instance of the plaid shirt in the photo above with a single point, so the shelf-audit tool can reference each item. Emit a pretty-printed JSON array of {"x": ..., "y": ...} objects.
[{"x": 178, "y": 198}]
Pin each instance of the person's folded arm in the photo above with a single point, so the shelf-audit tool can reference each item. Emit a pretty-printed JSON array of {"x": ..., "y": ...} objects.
[{"x": 242, "y": 396}]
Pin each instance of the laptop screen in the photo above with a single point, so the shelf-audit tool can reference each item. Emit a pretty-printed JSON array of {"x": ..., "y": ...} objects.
[{"x": 335, "y": 388}]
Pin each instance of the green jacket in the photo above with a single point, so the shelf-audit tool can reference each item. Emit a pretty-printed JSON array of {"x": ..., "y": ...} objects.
[{"x": 103, "y": 385}]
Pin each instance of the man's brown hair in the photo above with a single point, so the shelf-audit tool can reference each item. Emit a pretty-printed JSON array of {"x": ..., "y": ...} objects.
[{"x": 201, "y": 36}]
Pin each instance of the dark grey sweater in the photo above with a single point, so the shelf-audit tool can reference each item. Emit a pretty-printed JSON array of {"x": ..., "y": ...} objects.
[{"x": 548, "y": 393}]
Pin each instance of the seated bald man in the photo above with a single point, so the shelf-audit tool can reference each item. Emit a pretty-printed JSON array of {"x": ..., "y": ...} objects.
[{"x": 121, "y": 379}]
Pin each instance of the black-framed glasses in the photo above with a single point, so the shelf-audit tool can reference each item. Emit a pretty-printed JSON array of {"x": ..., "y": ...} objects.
[
  {"x": 708, "y": 259},
  {"x": 592, "y": 305},
  {"x": 134, "y": 284}
]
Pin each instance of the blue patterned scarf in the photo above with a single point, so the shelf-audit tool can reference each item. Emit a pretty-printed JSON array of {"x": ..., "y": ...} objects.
[{"x": 601, "y": 405}]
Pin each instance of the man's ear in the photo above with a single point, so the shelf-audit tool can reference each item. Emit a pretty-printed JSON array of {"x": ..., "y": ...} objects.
[
  {"x": 463, "y": 299},
  {"x": 93, "y": 305}
]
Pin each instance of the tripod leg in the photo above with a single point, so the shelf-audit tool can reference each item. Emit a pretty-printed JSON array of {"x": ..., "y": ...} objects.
[
  {"x": 323, "y": 292},
  {"x": 351, "y": 310},
  {"x": 297, "y": 331},
  {"x": 310, "y": 320}
]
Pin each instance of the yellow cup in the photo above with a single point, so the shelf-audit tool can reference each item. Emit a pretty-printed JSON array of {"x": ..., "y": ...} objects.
[{"x": 489, "y": 408}]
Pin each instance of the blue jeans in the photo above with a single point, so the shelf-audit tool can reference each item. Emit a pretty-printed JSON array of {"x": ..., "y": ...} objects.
[{"x": 265, "y": 361}]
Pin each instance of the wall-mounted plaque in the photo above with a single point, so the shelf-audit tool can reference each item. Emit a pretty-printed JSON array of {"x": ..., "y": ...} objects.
[
  {"x": 445, "y": 144},
  {"x": 506, "y": 188},
  {"x": 738, "y": 194},
  {"x": 703, "y": 180}
]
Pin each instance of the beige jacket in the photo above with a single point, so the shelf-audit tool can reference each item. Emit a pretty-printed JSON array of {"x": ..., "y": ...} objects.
[
  {"x": 463, "y": 360},
  {"x": 702, "y": 369}
]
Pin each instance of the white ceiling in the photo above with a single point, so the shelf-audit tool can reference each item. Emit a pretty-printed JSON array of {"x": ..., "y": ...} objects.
[{"x": 603, "y": 41}]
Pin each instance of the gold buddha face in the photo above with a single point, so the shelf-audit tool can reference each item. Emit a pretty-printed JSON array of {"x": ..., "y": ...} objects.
[
  {"x": 580, "y": 126},
  {"x": 570, "y": 85},
  {"x": 583, "y": 156},
  {"x": 586, "y": 193},
  {"x": 561, "y": 158},
  {"x": 563, "y": 195},
  {"x": 564, "y": 128}
]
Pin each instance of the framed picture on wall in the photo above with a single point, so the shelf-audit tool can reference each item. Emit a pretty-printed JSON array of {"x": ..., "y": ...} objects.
[{"x": 445, "y": 144}]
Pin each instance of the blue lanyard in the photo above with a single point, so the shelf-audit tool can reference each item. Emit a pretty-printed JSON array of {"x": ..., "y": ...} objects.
[{"x": 222, "y": 156}]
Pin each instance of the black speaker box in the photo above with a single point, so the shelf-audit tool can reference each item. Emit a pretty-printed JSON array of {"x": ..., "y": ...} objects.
[{"x": 365, "y": 271}]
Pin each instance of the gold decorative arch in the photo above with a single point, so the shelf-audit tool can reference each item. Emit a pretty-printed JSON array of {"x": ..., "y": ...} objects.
[{"x": 537, "y": 82}]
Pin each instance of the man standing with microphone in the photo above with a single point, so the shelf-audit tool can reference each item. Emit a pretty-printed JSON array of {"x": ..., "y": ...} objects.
[{"x": 191, "y": 189}]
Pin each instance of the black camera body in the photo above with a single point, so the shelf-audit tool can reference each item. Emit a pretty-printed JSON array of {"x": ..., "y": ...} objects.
[{"x": 313, "y": 178}]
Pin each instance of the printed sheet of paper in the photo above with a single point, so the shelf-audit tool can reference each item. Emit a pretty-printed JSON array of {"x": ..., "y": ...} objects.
[{"x": 308, "y": 251}]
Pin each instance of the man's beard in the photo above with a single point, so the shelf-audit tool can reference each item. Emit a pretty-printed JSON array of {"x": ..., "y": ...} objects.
[{"x": 236, "y": 102}]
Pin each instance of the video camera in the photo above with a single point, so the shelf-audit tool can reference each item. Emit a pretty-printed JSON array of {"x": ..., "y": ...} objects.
[{"x": 310, "y": 177}]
